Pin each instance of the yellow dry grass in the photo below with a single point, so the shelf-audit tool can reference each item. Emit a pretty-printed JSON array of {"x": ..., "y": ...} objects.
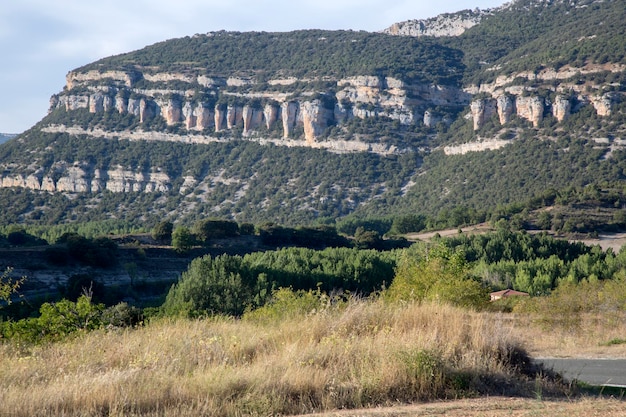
[
  {"x": 367, "y": 354},
  {"x": 588, "y": 337}
]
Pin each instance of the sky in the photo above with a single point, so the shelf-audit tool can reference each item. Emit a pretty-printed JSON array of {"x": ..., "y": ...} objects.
[{"x": 42, "y": 40}]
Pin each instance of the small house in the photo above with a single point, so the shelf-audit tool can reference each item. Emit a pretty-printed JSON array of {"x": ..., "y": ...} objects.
[{"x": 507, "y": 293}]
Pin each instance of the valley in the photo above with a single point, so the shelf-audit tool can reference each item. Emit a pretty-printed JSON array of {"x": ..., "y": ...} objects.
[{"x": 320, "y": 222}]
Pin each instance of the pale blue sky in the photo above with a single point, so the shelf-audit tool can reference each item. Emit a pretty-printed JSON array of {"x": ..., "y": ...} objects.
[{"x": 41, "y": 40}]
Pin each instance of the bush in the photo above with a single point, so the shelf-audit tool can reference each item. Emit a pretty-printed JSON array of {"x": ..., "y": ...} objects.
[
  {"x": 246, "y": 229},
  {"x": 286, "y": 302},
  {"x": 182, "y": 239},
  {"x": 99, "y": 252},
  {"x": 121, "y": 315},
  {"x": 56, "y": 321},
  {"x": 436, "y": 273},
  {"x": 206, "y": 230},
  {"x": 210, "y": 286},
  {"x": 163, "y": 231},
  {"x": 83, "y": 284}
]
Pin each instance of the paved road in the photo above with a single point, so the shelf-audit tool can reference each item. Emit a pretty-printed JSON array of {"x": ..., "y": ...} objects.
[{"x": 592, "y": 371}]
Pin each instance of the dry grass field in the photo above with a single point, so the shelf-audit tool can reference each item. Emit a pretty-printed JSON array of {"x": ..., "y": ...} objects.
[{"x": 363, "y": 359}]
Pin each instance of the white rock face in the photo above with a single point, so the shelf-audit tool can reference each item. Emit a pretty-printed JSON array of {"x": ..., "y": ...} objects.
[
  {"x": 234, "y": 116},
  {"x": 78, "y": 178},
  {"x": 442, "y": 25},
  {"x": 481, "y": 110},
  {"x": 475, "y": 147},
  {"x": 289, "y": 112},
  {"x": 252, "y": 119},
  {"x": 314, "y": 118},
  {"x": 531, "y": 109},
  {"x": 506, "y": 108},
  {"x": 561, "y": 108},
  {"x": 602, "y": 104}
]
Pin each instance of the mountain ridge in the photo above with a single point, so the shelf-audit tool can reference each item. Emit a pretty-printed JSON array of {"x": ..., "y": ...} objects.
[{"x": 401, "y": 100}]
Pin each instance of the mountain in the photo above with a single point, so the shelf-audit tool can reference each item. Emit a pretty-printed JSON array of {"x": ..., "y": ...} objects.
[
  {"x": 316, "y": 125},
  {"x": 6, "y": 136}
]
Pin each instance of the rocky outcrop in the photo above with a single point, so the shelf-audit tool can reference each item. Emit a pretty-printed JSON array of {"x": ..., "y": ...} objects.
[
  {"x": 220, "y": 119},
  {"x": 443, "y": 25},
  {"x": 300, "y": 116},
  {"x": 506, "y": 108},
  {"x": 561, "y": 108},
  {"x": 481, "y": 146},
  {"x": 234, "y": 116},
  {"x": 79, "y": 178},
  {"x": 172, "y": 111},
  {"x": 602, "y": 104},
  {"x": 481, "y": 110},
  {"x": 289, "y": 113},
  {"x": 360, "y": 96},
  {"x": 530, "y": 108},
  {"x": 315, "y": 119},
  {"x": 205, "y": 117},
  {"x": 271, "y": 113}
]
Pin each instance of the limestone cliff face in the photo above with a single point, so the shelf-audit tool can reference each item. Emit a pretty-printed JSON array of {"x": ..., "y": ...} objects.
[
  {"x": 603, "y": 104},
  {"x": 561, "y": 95},
  {"x": 237, "y": 104},
  {"x": 80, "y": 177},
  {"x": 530, "y": 108},
  {"x": 481, "y": 110},
  {"x": 506, "y": 108},
  {"x": 361, "y": 97},
  {"x": 315, "y": 119},
  {"x": 561, "y": 108},
  {"x": 442, "y": 25}
]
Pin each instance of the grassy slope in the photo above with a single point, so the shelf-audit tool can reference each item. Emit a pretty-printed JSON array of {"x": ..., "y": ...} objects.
[{"x": 364, "y": 355}]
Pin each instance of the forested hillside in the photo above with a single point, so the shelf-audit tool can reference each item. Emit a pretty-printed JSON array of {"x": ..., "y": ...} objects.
[{"x": 332, "y": 126}]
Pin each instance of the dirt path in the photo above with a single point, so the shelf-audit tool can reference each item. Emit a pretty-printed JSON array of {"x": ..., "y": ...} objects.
[{"x": 495, "y": 407}]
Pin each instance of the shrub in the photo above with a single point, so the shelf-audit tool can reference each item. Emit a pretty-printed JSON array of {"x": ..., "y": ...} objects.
[
  {"x": 285, "y": 302},
  {"x": 215, "y": 229},
  {"x": 182, "y": 239},
  {"x": 121, "y": 315},
  {"x": 56, "y": 321},
  {"x": 210, "y": 286},
  {"x": 8, "y": 286},
  {"x": 163, "y": 231},
  {"x": 83, "y": 284},
  {"x": 436, "y": 273}
]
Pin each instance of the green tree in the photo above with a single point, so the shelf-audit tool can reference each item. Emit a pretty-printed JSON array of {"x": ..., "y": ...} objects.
[
  {"x": 210, "y": 286},
  {"x": 207, "y": 229},
  {"x": 436, "y": 273},
  {"x": 163, "y": 231},
  {"x": 409, "y": 223},
  {"x": 8, "y": 286},
  {"x": 366, "y": 239},
  {"x": 182, "y": 239}
]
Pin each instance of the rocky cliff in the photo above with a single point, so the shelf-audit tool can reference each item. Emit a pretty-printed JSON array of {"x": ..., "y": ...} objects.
[
  {"x": 174, "y": 129},
  {"x": 447, "y": 24},
  {"x": 214, "y": 105},
  {"x": 548, "y": 92},
  {"x": 80, "y": 178}
]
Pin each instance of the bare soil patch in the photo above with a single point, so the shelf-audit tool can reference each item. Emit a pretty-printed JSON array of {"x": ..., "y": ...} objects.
[{"x": 495, "y": 407}]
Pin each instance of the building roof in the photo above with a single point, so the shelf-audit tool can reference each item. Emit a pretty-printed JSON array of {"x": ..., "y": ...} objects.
[{"x": 507, "y": 293}]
